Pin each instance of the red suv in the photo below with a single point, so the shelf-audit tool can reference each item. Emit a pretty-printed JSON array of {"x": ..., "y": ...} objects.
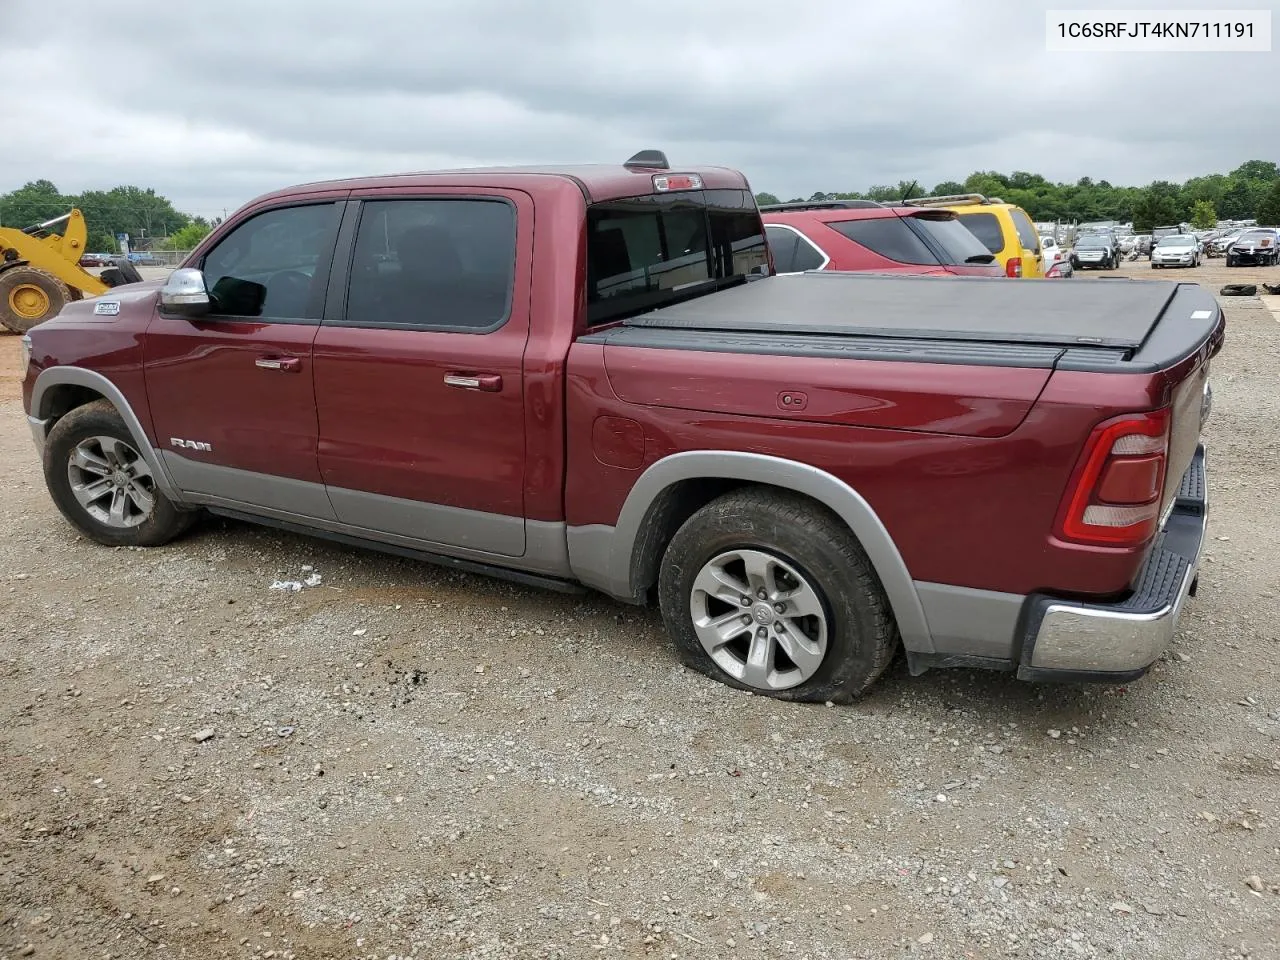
[{"x": 865, "y": 235}]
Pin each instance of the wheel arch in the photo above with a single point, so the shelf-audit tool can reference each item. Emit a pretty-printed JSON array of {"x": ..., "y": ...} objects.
[
  {"x": 59, "y": 390},
  {"x": 623, "y": 560}
]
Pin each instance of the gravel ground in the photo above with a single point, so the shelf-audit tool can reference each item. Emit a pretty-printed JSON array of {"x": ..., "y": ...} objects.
[{"x": 402, "y": 761}]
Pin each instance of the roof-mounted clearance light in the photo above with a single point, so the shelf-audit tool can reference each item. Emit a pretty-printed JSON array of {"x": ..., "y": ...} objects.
[{"x": 665, "y": 182}]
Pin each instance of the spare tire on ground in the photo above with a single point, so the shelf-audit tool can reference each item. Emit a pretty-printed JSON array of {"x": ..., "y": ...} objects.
[
  {"x": 123, "y": 272},
  {"x": 1239, "y": 290}
]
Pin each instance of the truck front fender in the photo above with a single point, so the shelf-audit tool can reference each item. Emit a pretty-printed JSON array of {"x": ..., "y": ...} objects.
[
  {"x": 603, "y": 556},
  {"x": 44, "y": 404}
]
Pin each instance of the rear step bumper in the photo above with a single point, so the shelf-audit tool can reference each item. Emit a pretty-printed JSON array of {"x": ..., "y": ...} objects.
[{"x": 1067, "y": 640}]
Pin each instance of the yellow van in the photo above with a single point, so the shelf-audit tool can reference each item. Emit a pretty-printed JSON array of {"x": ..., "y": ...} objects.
[{"x": 1003, "y": 228}]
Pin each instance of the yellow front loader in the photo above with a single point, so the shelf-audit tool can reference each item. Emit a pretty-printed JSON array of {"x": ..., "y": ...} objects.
[{"x": 40, "y": 271}]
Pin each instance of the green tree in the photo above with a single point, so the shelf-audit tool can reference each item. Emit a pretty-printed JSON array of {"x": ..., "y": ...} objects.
[
  {"x": 765, "y": 198},
  {"x": 103, "y": 243},
  {"x": 1257, "y": 170},
  {"x": 1203, "y": 216},
  {"x": 947, "y": 188},
  {"x": 1269, "y": 209},
  {"x": 1155, "y": 208},
  {"x": 33, "y": 202},
  {"x": 187, "y": 237}
]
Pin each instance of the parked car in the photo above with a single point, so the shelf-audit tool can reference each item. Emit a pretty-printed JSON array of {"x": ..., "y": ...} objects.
[
  {"x": 95, "y": 260},
  {"x": 1223, "y": 243},
  {"x": 1060, "y": 269},
  {"x": 865, "y": 235},
  {"x": 1003, "y": 228},
  {"x": 1258, "y": 247},
  {"x": 1095, "y": 251},
  {"x": 1176, "y": 250},
  {"x": 587, "y": 376}
]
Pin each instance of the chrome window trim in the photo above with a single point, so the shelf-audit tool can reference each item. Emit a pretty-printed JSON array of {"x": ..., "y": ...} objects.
[{"x": 826, "y": 258}]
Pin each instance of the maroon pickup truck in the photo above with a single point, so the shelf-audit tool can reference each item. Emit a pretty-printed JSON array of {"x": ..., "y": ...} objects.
[{"x": 589, "y": 376}]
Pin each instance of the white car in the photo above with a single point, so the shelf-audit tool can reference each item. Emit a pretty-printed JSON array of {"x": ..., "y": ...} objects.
[
  {"x": 1051, "y": 252},
  {"x": 1176, "y": 250}
]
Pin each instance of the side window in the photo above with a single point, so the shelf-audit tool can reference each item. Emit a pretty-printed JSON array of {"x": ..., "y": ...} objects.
[
  {"x": 986, "y": 228},
  {"x": 783, "y": 244},
  {"x": 267, "y": 266},
  {"x": 433, "y": 265},
  {"x": 890, "y": 237},
  {"x": 1026, "y": 230},
  {"x": 808, "y": 257}
]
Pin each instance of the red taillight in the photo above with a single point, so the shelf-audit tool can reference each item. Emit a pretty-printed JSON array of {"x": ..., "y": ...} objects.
[
  {"x": 1114, "y": 497},
  {"x": 664, "y": 182},
  {"x": 1014, "y": 267}
]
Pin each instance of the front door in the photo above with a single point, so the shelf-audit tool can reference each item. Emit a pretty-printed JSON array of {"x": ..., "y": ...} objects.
[
  {"x": 232, "y": 393},
  {"x": 419, "y": 370}
]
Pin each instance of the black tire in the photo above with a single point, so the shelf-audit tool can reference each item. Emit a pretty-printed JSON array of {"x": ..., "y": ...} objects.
[
  {"x": 123, "y": 271},
  {"x": 862, "y": 636},
  {"x": 17, "y": 285},
  {"x": 1239, "y": 290},
  {"x": 100, "y": 419}
]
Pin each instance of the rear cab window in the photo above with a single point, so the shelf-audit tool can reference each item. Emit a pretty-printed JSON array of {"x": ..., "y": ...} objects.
[{"x": 650, "y": 251}]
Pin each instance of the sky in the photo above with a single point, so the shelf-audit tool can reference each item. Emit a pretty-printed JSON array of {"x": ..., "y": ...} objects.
[{"x": 214, "y": 103}]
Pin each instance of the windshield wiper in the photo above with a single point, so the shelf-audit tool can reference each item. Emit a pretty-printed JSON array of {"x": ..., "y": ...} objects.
[{"x": 981, "y": 258}]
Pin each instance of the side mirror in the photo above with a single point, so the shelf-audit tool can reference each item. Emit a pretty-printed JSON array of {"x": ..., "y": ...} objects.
[{"x": 184, "y": 294}]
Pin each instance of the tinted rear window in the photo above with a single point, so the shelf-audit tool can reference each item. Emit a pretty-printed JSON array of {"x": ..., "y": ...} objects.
[
  {"x": 1026, "y": 230},
  {"x": 888, "y": 236},
  {"x": 646, "y": 252},
  {"x": 986, "y": 228},
  {"x": 958, "y": 244}
]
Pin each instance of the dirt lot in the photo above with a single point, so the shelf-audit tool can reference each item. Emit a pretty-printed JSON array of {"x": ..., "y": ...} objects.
[{"x": 404, "y": 762}]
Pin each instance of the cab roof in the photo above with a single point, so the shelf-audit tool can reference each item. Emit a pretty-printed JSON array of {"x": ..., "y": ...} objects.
[{"x": 597, "y": 182}]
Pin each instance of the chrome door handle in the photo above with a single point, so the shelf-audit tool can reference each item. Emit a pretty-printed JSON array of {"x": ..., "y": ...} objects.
[
  {"x": 487, "y": 382},
  {"x": 286, "y": 364}
]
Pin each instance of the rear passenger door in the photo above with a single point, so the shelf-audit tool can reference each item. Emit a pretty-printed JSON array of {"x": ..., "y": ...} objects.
[{"x": 419, "y": 368}]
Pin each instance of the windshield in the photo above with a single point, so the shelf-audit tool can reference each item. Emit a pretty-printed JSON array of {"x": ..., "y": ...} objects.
[
  {"x": 1092, "y": 243},
  {"x": 648, "y": 252},
  {"x": 1182, "y": 240},
  {"x": 1257, "y": 235}
]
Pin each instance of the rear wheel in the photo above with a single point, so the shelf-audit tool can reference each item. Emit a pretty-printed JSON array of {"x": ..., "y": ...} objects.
[
  {"x": 28, "y": 297},
  {"x": 769, "y": 592},
  {"x": 102, "y": 484}
]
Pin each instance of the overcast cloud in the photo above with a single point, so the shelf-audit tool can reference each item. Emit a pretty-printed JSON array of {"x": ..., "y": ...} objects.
[{"x": 216, "y": 102}]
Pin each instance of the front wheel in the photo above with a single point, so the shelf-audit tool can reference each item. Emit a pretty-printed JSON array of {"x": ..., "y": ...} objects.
[
  {"x": 769, "y": 592},
  {"x": 102, "y": 484}
]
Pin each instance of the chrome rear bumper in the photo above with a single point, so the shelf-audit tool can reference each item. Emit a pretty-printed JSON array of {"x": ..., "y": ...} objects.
[{"x": 1072, "y": 640}]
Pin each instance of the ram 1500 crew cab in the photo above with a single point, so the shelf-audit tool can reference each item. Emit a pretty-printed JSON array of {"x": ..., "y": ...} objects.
[{"x": 588, "y": 376}]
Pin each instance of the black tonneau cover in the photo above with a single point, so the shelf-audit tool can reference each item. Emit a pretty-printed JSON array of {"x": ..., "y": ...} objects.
[{"x": 1065, "y": 313}]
